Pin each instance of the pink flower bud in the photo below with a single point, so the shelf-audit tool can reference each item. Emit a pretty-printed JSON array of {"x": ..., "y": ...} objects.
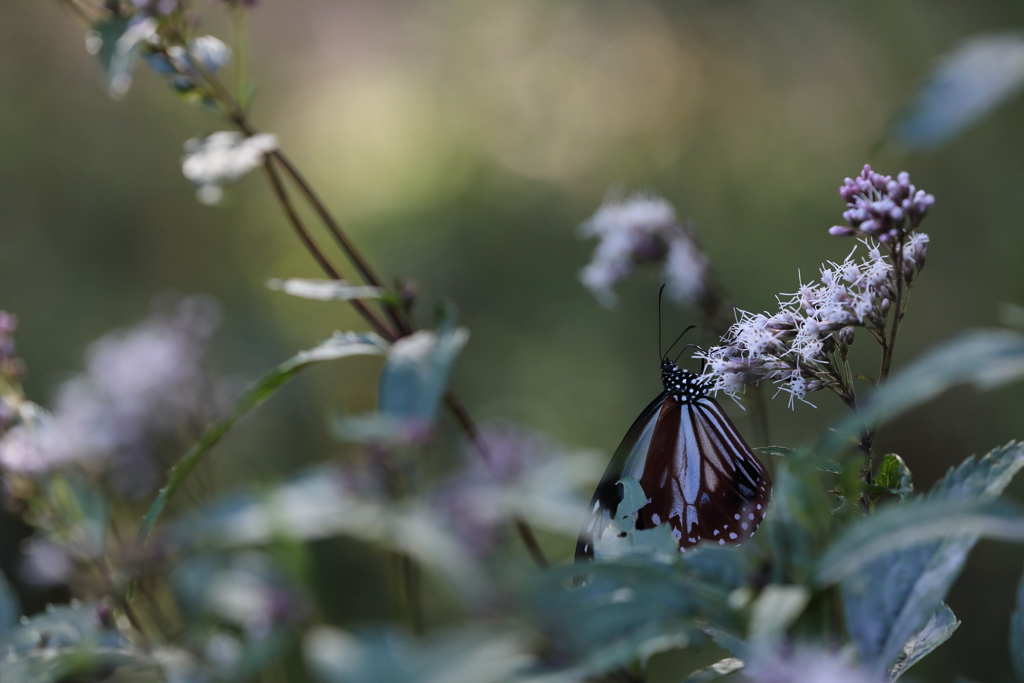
[{"x": 841, "y": 231}]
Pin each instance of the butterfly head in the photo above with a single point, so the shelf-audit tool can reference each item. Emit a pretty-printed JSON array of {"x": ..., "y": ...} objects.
[{"x": 684, "y": 386}]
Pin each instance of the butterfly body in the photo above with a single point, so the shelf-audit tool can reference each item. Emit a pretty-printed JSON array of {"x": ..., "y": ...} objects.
[{"x": 697, "y": 472}]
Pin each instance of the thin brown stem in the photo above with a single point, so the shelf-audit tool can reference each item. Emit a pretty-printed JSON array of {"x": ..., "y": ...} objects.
[
  {"x": 524, "y": 530},
  {"x": 300, "y": 229},
  {"x": 401, "y": 323}
]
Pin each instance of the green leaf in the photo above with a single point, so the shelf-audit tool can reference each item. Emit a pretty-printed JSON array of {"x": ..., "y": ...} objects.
[
  {"x": 964, "y": 86},
  {"x": 318, "y": 504},
  {"x": 892, "y": 596},
  {"x": 1017, "y": 633},
  {"x": 775, "y": 610},
  {"x": 341, "y": 345},
  {"x": 83, "y": 512},
  {"x": 937, "y": 631},
  {"x": 476, "y": 656},
  {"x": 729, "y": 642},
  {"x": 896, "y": 594},
  {"x": 984, "y": 359},
  {"x": 622, "y": 538},
  {"x": 627, "y": 609},
  {"x": 893, "y": 477},
  {"x": 800, "y": 519},
  {"x": 724, "y": 566},
  {"x": 778, "y": 451},
  {"x": 919, "y": 522},
  {"x": 83, "y": 662},
  {"x": 63, "y": 627},
  {"x": 10, "y": 609},
  {"x": 116, "y": 43},
  {"x": 416, "y": 374},
  {"x": 324, "y": 290},
  {"x": 723, "y": 667}
]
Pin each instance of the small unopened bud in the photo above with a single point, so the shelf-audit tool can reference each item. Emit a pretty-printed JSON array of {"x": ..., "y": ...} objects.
[
  {"x": 846, "y": 336},
  {"x": 885, "y": 305}
]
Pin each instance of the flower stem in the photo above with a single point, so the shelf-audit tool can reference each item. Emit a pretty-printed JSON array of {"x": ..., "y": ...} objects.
[{"x": 899, "y": 305}]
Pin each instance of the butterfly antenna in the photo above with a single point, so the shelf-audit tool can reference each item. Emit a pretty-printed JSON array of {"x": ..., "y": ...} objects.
[
  {"x": 688, "y": 346},
  {"x": 660, "y": 292},
  {"x": 669, "y": 350}
]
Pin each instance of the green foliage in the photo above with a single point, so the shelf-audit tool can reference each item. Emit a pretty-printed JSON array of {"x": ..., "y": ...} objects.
[
  {"x": 317, "y": 505},
  {"x": 338, "y": 346},
  {"x": 66, "y": 641},
  {"x": 893, "y": 477},
  {"x": 416, "y": 374},
  {"x": 898, "y": 564},
  {"x": 392, "y": 657},
  {"x": 1017, "y": 633}
]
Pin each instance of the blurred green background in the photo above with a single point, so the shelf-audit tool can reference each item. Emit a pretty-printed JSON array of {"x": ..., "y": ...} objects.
[{"x": 461, "y": 142}]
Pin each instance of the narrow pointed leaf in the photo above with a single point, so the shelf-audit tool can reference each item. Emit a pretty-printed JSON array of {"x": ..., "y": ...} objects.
[
  {"x": 324, "y": 290},
  {"x": 341, "y": 345},
  {"x": 964, "y": 86},
  {"x": 897, "y": 527}
]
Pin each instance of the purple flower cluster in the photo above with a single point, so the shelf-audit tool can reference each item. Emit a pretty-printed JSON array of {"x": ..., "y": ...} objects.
[
  {"x": 156, "y": 7},
  {"x": 140, "y": 387},
  {"x": 527, "y": 475},
  {"x": 880, "y": 207},
  {"x": 10, "y": 365}
]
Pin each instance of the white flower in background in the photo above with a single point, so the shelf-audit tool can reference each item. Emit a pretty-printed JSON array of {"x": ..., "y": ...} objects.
[
  {"x": 221, "y": 158},
  {"x": 208, "y": 53},
  {"x": 139, "y": 388},
  {"x": 211, "y": 53},
  {"x": 640, "y": 230}
]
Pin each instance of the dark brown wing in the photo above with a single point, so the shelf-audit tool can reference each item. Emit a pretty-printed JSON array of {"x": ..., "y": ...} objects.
[
  {"x": 629, "y": 460},
  {"x": 702, "y": 477}
]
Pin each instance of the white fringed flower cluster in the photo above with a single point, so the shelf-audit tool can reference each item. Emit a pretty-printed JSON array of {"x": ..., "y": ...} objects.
[{"x": 795, "y": 346}]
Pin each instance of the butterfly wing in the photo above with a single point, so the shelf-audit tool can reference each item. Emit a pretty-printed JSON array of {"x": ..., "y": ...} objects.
[
  {"x": 628, "y": 460},
  {"x": 702, "y": 477},
  {"x": 695, "y": 468}
]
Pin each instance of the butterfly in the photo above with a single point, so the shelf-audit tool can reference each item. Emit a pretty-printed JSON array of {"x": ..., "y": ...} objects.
[{"x": 697, "y": 472}]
